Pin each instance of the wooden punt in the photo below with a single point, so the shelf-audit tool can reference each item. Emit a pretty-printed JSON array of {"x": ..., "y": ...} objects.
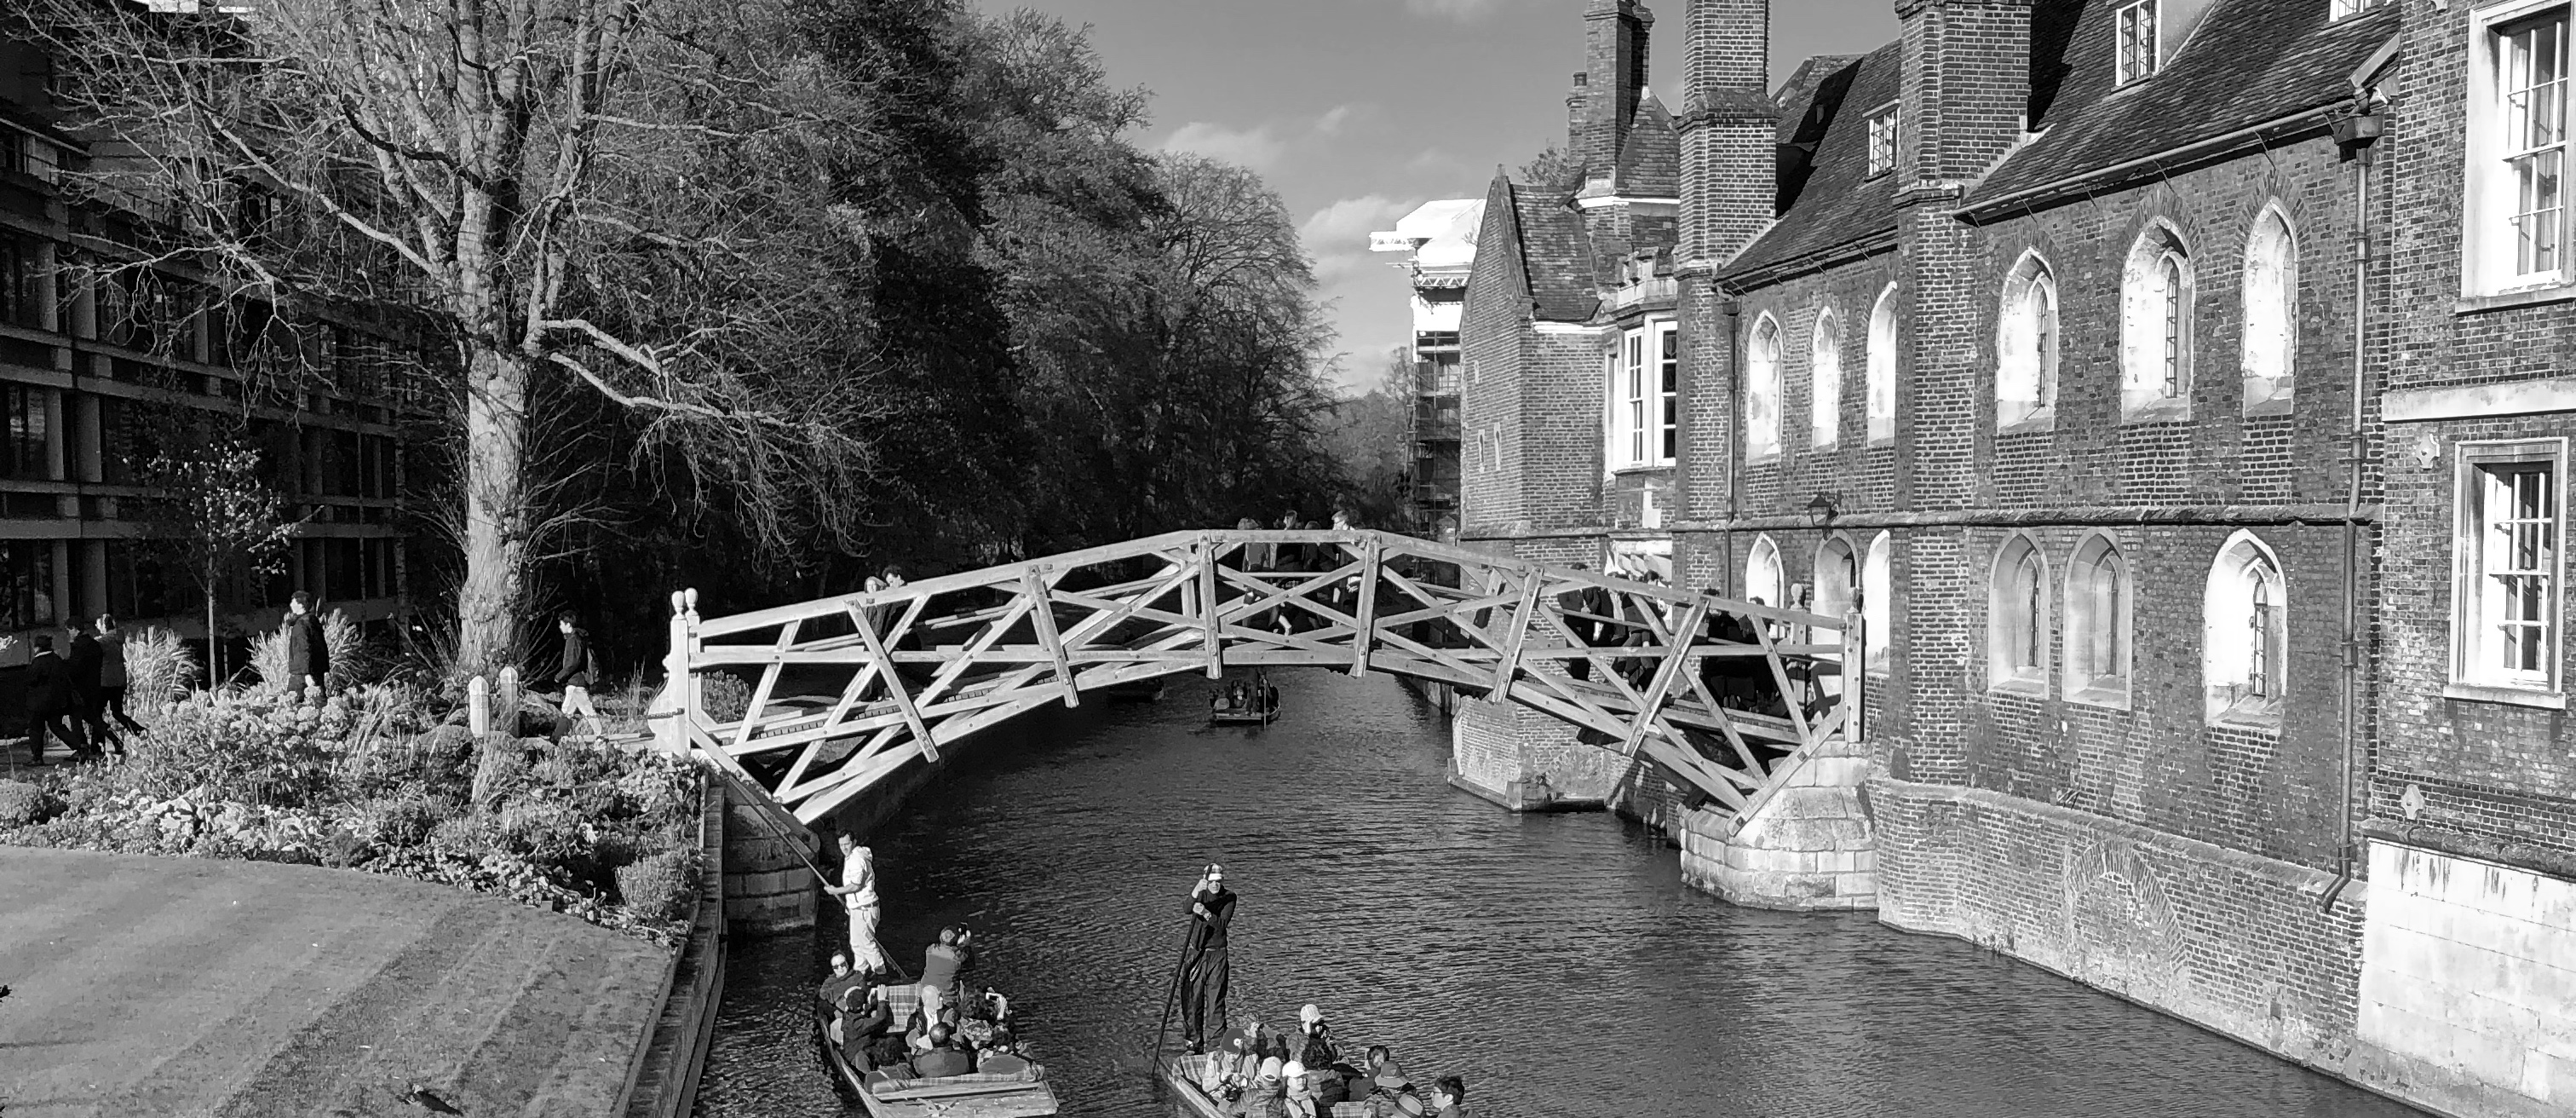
[
  {"x": 1176, "y": 1075},
  {"x": 936, "y": 1099}
]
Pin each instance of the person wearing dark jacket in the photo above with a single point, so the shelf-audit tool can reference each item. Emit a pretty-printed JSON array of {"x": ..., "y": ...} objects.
[
  {"x": 1207, "y": 966},
  {"x": 576, "y": 673},
  {"x": 943, "y": 1058},
  {"x": 52, "y": 704},
  {"x": 308, "y": 655},
  {"x": 111, "y": 676},
  {"x": 85, "y": 661}
]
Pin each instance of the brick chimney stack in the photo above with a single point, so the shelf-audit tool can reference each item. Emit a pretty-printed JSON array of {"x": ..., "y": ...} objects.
[
  {"x": 1966, "y": 87},
  {"x": 1574, "y": 104},
  {"x": 1615, "y": 38},
  {"x": 1730, "y": 176}
]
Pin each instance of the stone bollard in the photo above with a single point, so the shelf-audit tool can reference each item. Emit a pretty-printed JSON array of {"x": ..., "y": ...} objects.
[
  {"x": 506, "y": 700},
  {"x": 478, "y": 706}
]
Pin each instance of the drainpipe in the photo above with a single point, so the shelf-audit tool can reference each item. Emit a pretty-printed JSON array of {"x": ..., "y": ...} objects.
[
  {"x": 1731, "y": 314},
  {"x": 2355, "y": 134}
]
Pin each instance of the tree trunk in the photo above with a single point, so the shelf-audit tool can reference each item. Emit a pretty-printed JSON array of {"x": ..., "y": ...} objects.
[{"x": 496, "y": 515}]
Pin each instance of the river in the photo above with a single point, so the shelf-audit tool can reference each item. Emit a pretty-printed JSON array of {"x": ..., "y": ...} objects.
[{"x": 1557, "y": 962}]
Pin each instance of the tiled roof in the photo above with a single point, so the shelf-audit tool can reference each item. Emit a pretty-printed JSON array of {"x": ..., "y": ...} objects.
[
  {"x": 1556, "y": 255},
  {"x": 2249, "y": 62},
  {"x": 1827, "y": 198},
  {"x": 1651, "y": 165}
]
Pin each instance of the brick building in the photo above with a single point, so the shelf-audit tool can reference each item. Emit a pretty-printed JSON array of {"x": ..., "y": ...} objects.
[
  {"x": 1572, "y": 380},
  {"x": 2175, "y": 388},
  {"x": 94, "y": 349}
]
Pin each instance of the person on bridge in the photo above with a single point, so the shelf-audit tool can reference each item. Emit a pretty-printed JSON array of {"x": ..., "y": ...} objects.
[
  {"x": 1206, "y": 967},
  {"x": 858, "y": 893}
]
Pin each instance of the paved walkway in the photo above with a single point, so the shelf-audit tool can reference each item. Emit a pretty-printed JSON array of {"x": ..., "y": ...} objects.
[{"x": 180, "y": 986}]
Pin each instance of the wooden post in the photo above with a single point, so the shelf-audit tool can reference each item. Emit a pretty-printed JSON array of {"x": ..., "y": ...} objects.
[
  {"x": 1364, "y": 631},
  {"x": 478, "y": 706},
  {"x": 1208, "y": 610},
  {"x": 697, "y": 689},
  {"x": 1034, "y": 583},
  {"x": 673, "y": 732}
]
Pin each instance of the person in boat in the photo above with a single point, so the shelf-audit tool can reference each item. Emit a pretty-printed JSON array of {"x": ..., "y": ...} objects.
[
  {"x": 1314, "y": 1040},
  {"x": 1001, "y": 1055},
  {"x": 943, "y": 961},
  {"x": 1228, "y": 1072},
  {"x": 1449, "y": 1097},
  {"x": 934, "y": 1012},
  {"x": 858, "y": 893},
  {"x": 1300, "y": 1099},
  {"x": 994, "y": 1007},
  {"x": 841, "y": 981},
  {"x": 862, "y": 1022},
  {"x": 1207, "y": 966},
  {"x": 1391, "y": 1095},
  {"x": 943, "y": 1058},
  {"x": 1266, "y": 1095}
]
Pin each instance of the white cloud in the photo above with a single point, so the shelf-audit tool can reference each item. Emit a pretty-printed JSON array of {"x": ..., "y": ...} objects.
[
  {"x": 1257, "y": 148},
  {"x": 1337, "y": 236}
]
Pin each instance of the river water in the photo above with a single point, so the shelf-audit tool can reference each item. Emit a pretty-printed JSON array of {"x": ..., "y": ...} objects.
[{"x": 1557, "y": 962}]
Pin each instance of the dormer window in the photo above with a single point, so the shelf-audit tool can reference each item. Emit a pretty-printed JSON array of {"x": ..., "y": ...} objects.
[
  {"x": 2343, "y": 8},
  {"x": 1882, "y": 142},
  {"x": 2136, "y": 25}
]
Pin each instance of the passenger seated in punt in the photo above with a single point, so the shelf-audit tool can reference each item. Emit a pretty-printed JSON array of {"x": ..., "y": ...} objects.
[
  {"x": 841, "y": 981},
  {"x": 1265, "y": 1096},
  {"x": 943, "y": 1058},
  {"x": 860, "y": 1027},
  {"x": 934, "y": 1012},
  {"x": 1449, "y": 1097},
  {"x": 1001, "y": 1055}
]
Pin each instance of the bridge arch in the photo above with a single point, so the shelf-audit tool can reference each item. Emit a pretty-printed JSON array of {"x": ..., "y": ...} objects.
[{"x": 845, "y": 691}]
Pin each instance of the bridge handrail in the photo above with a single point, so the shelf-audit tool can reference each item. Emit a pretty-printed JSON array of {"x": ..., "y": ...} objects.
[{"x": 1011, "y": 573}]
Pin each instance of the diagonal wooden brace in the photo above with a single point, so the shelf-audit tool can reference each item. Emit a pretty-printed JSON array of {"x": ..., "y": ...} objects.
[
  {"x": 1364, "y": 631},
  {"x": 895, "y": 685},
  {"x": 1510, "y": 664},
  {"x": 1042, "y": 616},
  {"x": 1682, "y": 638}
]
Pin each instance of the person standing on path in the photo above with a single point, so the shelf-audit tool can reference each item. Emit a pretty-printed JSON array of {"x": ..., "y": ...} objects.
[
  {"x": 575, "y": 672},
  {"x": 111, "y": 676},
  {"x": 85, "y": 660},
  {"x": 1206, "y": 967},
  {"x": 858, "y": 893},
  {"x": 308, "y": 654}
]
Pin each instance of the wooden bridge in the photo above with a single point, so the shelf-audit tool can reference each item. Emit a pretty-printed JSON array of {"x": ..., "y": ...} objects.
[{"x": 1729, "y": 697}]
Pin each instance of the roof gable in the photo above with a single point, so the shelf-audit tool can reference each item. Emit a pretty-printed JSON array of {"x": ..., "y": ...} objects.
[{"x": 1827, "y": 197}]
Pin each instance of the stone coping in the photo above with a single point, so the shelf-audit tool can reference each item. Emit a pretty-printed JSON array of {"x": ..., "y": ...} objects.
[{"x": 2543, "y": 860}]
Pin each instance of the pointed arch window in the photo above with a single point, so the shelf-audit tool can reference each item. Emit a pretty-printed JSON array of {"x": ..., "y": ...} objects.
[
  {"x": 2156, "y": 328},
  {"x": 1825, "y": 364},
  {"x": 2026, "y": 348},
  {"x": 1837, "y": 584},
  {"x": 1882, "y": 368},
  {"x": 1764, "y": 581},
  {"x": 1876, "y": 598},
  {"x": 2244, "y": 646},
  {"x": 2271, "y": 314},
  {"x": 2017, "y": 621},
  {"x": 1762, "y": 392},
  {"x": 2098, "y": 608}
]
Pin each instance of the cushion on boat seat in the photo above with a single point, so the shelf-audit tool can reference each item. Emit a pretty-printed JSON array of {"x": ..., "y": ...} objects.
[
  {"x": 903, "y": 1001},
  {"x": 1357, "y": 1109},
  {"x": 890, "y": 1084}
]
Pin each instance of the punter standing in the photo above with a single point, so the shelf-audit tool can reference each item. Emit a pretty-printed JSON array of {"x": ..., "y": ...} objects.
[{"x": 1204, "y": 976}]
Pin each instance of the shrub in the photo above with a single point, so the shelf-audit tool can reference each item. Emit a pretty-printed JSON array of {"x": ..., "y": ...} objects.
[
  {"x": 660, "y": 888},
  {"x": 259, "y": 748},
  {"x": 407, "y": 820},
  {"x": 500, "y": 770},
  {"x": 159, "y": 667},
  {"x": 725, "y": 696},
  {"x": 23, "y": 804}
]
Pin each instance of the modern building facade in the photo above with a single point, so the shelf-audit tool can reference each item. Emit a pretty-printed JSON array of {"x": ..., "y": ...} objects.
[
  {"x": 98, "y": 350},
  {"x": 1439, "y": 240},
  {"x": 2173, "y": 388}
]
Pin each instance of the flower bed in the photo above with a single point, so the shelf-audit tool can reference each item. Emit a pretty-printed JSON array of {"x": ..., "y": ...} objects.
[{"x": 369, "y": 780}]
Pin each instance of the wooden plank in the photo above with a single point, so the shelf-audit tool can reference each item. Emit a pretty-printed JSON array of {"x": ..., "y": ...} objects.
[
  {"x": 1208, "y": 612},
  {"x": 1041, "y": 591},
  {"x": 895, "y": 688},
  {"x": 1665, "y": 674},
  {"x": 768, "y": 684},
  {"x": 1363, "y": 626},
  {"x": 1510, "y": 665}
]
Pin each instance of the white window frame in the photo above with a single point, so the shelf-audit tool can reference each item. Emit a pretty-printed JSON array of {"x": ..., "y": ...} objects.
[
  {"x": 2271, "y": 379},
  {"x": 1762, "y": 386},
  {"x": 2029, "y": 346},
  {"x": 1882, "y": 142},
  {"x": 2132, "y": 23},
  {"x": 2490, "y": 205},
  {"x": 2231, "y": 658},
  {"x": 1642, "y": 416},
  {"x": 2480, "y": 610},
  {"x": 2108, "y": 688},
  {"x": 1825, "y": 379},
  {"x": 1882, "y": 368},
  {"x": 2158, "y": 322},
  {"x": 2001, "y": 673},
  {"x": 2346, "y": 9},
  {"x": 1765, "y": 576}
]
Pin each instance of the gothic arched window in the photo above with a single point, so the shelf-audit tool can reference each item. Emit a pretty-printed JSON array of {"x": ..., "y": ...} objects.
[
  {"x": 2271, "y": 314},
  {"x": 2026, "y": 347}
]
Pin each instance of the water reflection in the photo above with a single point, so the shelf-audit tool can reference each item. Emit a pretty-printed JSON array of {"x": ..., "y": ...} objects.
[{"x": 1557, "y": 962}]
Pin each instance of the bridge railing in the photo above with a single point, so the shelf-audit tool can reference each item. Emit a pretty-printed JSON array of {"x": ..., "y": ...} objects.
[{"x": 844, "y": 690}]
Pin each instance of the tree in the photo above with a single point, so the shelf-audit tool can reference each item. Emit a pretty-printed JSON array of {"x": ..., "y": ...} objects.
[
  {"x": 1367, "y": 440},
  {"x": 611, "y": 198},
  {"x": 217, "y": 519},
  {"x": 1553, "y": 169}
]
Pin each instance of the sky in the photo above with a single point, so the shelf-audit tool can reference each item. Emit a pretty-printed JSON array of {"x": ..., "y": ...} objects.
[{"x": 1357, "y": 111}]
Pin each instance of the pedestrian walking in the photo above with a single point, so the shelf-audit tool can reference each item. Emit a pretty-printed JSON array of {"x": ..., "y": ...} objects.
[
  {"x": 51, "y": 703},
  {"x": 84, "y": 662},
  {"x": 1208, "y": 967},
  {"x": 858, "y": 893},
  {"x": 575, "y": 672},
  {"x": 308, "y": 653},
  {"x": 111, "y": 676}
]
